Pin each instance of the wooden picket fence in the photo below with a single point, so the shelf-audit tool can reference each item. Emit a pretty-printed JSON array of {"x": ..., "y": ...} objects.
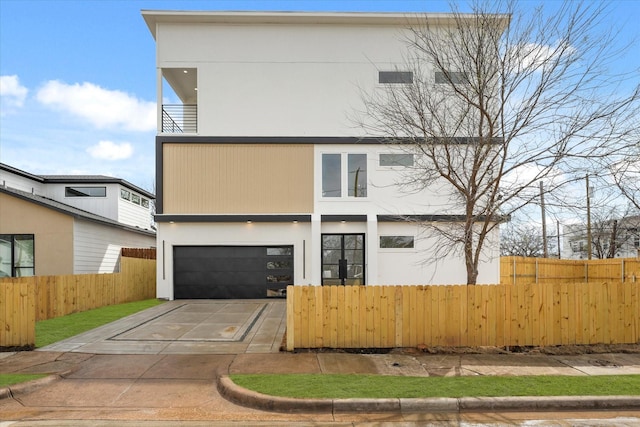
[
  {"x": 25, "y": 300},
  {"x": 481, "y": 315},
  {"x": 518, "y": 270}
]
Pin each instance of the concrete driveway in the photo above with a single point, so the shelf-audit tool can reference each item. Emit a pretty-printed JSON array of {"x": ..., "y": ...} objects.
[{"x": 188, "y": 327}]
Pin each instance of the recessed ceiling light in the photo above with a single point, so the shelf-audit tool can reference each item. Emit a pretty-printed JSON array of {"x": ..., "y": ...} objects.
[{"x": 185, "y": 71}]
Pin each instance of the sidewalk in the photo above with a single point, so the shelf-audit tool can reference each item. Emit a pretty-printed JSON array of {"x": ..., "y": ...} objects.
[{"x": 163, "y": 382}]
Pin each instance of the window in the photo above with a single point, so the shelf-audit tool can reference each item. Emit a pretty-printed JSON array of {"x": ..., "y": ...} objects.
[
  {"x": 404, "y": 77},
  {"x": 333, "y": 179},
  {"x": 357, "y": 164},
  {"x": 134, "y": 198},
  {"x": 396, "y": 242},
  {"x": 278, "y": 265},
  {"x": 85, "y": 191},
  {"x": 331, "y": 175},
  {"x": 456, "y": 77},
  {"x": 17, "y": 255},
  {"x": 279, "y": 251},
  {"x": 396, "y": 159}
]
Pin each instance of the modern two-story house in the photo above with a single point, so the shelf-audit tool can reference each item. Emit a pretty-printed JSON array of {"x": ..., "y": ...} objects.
[
  {"x": 264, "y": 179},
  {"x": 69, "y": 224}
]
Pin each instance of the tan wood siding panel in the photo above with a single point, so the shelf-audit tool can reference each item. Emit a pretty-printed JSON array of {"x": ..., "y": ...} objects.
[
  {"x": 237, "y": 178},
  {"x": 52, "y": 230}
]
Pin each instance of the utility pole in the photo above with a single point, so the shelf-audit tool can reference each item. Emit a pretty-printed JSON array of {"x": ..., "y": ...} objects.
[
  {"x": 558, "y": 229},
  {"x": 544, "y": 222},
  {"x": 588, "y": 219}
]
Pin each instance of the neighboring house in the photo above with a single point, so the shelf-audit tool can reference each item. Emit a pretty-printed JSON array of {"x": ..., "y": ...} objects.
[
  {"x": 263, "y": 180},
  {"x": 68, "y": 224},
  {"x": 619, "y": 238}
]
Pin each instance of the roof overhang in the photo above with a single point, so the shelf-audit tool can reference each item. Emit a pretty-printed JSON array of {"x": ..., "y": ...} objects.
[{"x": 154, "y": 17}]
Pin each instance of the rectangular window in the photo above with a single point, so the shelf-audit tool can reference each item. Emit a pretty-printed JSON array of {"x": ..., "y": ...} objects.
[
  {"x": 455, "y": 77},
  {"x": 145, "y": 203},
  {"x": 396, "y": 242},
  {"x": 331, "y": 175},
  {"x": 135, "y": 199},
  {"x": 402, "y": 77},
  {"x": 85, "y": 191},
  {"x": 357, "y": 164},
  {"x": 17, "y": 255},
  {"x": 334, "y": 177},
  {"x": 279, "y": 251},
  {"x": 125, "y": 194},
  {"x": 396, "y": 159}
]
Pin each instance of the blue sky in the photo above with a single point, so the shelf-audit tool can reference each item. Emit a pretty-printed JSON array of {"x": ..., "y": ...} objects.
[{"x": 78, "y": 77}]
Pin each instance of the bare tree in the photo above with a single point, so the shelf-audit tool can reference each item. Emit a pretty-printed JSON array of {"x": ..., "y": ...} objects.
[
  {"x": 521, "y": 241},
  {"x": 625, "y": 171},
  {"x": 500, "y": 99}
]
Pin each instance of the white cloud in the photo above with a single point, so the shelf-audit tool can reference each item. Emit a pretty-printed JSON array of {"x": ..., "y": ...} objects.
[
  {"x": 534, "y": 56},
  {"x": 11, "y": 91},
  {"x": 101, "y": 107},
  {"x": 109, "y": 150}
]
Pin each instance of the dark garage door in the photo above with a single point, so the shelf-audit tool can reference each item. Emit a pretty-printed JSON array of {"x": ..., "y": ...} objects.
[{"x": 217, "y": 272}]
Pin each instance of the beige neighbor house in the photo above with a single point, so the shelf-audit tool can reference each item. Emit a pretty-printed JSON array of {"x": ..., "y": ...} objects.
[
  {"x": 55, "y": 225},
  {"x": 263, "y": 180}
]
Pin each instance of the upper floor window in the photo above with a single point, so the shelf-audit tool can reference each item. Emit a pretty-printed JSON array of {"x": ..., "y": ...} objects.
[
  {"x": 85, "y": 191},
  {"x": 455, "y": 77},
  {"x": 396, "y": 242},
  {"x": 17, "y": 255},
  {"x": 354, "y": 179},
  {"x": 134, "y": 198},
  {"x": 396, "y": 159},
  {"x": 404, "y": 77}
]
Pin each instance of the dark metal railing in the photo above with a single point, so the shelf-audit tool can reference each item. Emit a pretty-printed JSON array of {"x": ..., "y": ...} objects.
[{"x": 179, "y": 118}]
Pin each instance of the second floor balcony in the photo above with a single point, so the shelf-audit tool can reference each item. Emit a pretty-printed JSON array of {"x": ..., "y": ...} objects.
[{"x": 179, "y": 118}]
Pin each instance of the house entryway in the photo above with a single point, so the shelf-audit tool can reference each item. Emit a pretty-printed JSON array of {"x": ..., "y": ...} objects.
[
  {"x": 188, "y": 327},
  {"x": 343, "y": 259}
]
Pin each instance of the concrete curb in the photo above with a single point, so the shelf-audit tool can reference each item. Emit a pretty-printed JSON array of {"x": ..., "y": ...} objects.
[
  {"x": 29, "y": 386},
  {"x": 248, "y": 398}
]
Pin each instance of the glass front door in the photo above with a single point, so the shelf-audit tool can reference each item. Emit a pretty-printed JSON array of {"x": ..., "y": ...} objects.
[{"x": 343, "y": 259}]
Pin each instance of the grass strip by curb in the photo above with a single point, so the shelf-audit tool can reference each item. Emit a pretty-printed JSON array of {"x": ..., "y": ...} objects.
[
  {"x": 11, "y": 379},
  {"x": 53, "y": 330},
  {"x": 339, "y": 386}
]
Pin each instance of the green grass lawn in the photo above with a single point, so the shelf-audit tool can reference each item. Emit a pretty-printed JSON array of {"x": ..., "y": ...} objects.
[
  {"x": 378, "y": 386},
  {"x": 11, "y": 379},
  {"x": 54, "y": 330}
]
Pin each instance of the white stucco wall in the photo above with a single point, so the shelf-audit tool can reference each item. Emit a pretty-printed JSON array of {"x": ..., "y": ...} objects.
[
  {"x": 385, "y": 194},
  {"x": 281, "y": 80},
  {"x": 231, "y": 234},
  {"x": 383, "y": 266}
]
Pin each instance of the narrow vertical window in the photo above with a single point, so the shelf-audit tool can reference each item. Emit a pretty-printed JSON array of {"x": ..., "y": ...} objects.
[
  {"x": 357, "y": 164},
  {"x": 331, "y": 175}
]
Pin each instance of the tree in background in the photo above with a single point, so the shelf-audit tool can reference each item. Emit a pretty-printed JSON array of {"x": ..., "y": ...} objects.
[
  {"x": 521, "y": 240},
  {"x": 500, "y": 99}
]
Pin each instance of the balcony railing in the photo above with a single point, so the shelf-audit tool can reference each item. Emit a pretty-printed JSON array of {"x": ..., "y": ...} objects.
[{"x": 179, "y": 118}]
